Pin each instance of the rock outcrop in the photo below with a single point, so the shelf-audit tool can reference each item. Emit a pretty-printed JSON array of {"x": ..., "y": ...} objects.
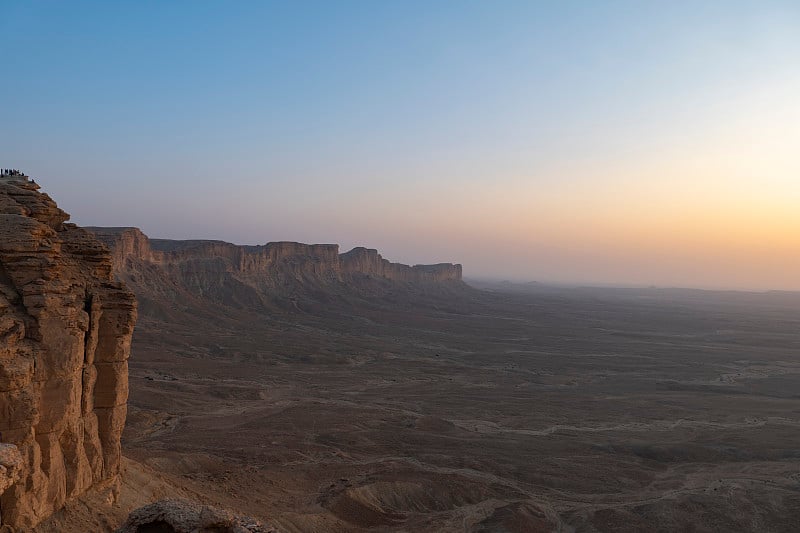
[
  {"x": 182, "y": 516},
  {"x": 272, "y": 261},
  {"x": 368, "y": 262},
  {"x": 167, "y": 271},
  {"x": 10, "y": 466},
  {"x": 65, "y": 333}
]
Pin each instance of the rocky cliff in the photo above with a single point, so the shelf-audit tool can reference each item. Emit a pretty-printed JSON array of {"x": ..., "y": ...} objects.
[
  {"x": 246, "y": 273},
  {"x": 65, "y": 333},
  {"x": 368, "y": 262}
]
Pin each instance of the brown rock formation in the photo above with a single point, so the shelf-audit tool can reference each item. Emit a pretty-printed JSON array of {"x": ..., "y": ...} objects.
[
  {"x": 369, "y": 262},
  {"x": 65, "y": 332},
  {"x": 274, "y": 264},
  {"x": 10, "y": 466},
  {"x": 182, "y": 516}
]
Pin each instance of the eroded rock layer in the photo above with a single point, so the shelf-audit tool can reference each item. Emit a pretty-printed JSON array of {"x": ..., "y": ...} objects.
[
  {"x": 65, "y": 333},
  {"x": 245, "y": 275}
]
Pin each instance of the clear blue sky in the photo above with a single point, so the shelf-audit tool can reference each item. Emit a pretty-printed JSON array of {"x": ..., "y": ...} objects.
[{"x": 566, "y": 141}]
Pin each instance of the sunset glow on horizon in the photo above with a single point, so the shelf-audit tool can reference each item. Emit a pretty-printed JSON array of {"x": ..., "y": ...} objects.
[{"x": 622, "y": 144}]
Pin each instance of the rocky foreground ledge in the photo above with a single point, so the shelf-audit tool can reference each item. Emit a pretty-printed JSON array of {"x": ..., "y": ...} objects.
[
  {"x": 65, "y": 334},
  {"x": 183, "y": 516}
]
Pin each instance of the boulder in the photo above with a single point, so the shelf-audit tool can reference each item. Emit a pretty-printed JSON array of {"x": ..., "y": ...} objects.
[{"x": 183, "y": 516}]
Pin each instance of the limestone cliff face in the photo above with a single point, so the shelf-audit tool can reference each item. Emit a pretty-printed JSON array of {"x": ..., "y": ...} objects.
[
  {"x": 65, "y": 333},
  {"x": 369, "y": 262},
  {"x": 276, "y": 265},
  {"x": 129, "y": 242}
]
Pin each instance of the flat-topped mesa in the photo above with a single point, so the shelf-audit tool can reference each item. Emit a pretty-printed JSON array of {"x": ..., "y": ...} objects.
[
  {"x": 65, "y": 333},
  {"x": 266, "y": 263},
  {"x": 367, "y": 261}
]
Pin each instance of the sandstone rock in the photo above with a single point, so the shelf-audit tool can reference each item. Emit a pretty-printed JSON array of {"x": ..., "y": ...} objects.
[
  {"x": 182, "y": 516},
  {"x": 65, "y": 332}
]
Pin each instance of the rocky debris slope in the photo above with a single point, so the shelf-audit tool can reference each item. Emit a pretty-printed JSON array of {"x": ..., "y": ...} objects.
[
  {"x": 182, "y": 516},
  {"x": 65, "y": 333},
  {"x": 273, "y": 266}
]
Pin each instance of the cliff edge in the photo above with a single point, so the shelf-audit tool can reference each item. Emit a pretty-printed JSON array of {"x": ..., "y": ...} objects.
[
  {"x": 65, "y": 334},
  {"x": 266, "y": 277},
  {"x": 268, "y": 262}
]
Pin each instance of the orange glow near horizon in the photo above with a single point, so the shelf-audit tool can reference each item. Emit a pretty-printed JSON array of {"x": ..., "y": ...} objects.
[
  {"x": 633, "y": 143},
  {"x": 719, "y": 208}
]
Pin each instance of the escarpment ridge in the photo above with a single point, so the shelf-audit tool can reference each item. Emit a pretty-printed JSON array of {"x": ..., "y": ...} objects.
[
  {"x": 65, "y": 334},
  {"x": 275, "y": 265}
]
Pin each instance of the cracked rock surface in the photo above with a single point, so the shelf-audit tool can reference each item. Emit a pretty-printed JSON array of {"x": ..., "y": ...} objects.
[{"x": 65, "y": 334}]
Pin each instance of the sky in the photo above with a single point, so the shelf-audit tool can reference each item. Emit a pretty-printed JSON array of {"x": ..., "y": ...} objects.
[{"x": 632, "y": 143}]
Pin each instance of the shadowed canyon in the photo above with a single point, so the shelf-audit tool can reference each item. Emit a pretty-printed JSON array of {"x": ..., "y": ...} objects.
[{"x": 321, "y": 391}]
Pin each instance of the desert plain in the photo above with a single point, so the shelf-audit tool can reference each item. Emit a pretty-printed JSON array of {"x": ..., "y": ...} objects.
[{"x": 483, "y": 407}]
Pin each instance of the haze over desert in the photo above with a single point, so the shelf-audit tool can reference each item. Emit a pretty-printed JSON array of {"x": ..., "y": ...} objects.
[{"x": 399, "y": 266}]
